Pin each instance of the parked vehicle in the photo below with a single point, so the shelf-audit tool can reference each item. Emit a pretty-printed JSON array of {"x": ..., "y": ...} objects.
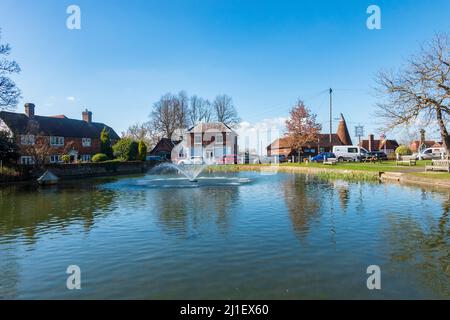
[
  {"x": 321, "y": 156},
  {"x": 379, "y": 155},
  {"x": 278, "y": 158},
  {"x": 191, "y": 160},
  {"x": 349, "y": 153},
  {"x": 432, "y": 153},
  {"x": 229, "y": 159},
  {"x": 262, "y": 160}
]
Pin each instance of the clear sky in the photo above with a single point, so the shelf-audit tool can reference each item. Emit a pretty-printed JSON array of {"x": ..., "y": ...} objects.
[{"x": 265, "y": 54}]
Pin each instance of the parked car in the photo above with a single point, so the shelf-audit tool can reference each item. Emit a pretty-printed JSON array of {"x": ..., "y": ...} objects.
[
  {"x": 349, "y": 153},
  {"x": 229, "y": 159},
  {"x": 321, "y": 156},
  {"x": 191, "y": 160},
  {"x": 431, "y": 153},
  {"x": 379, "y": 155}
]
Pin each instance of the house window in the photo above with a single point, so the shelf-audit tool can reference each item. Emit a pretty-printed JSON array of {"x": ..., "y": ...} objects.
[
  {"x": 26, "y": 160},
  {"x": 198, "y": 139},
  {"x": 55, "y": 158},
  {"x": 56, "y": 141},
  {"x": 219, "y": 139},
  {"x": 85, "y": 157},
  {"x": 27, "y": 139},
  {"x": 86, "y": 142}
]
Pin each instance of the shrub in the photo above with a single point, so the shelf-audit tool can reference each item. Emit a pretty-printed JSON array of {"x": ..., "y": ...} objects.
[
  {"x": 65, "y": 158},
  {"x": 105, "y": 143},
  {"x": 403, "y": 151},
  {"x": 100, "y": 157},
  {"x": 142, "y": 150},
  {"x": 126, "y": 149}
]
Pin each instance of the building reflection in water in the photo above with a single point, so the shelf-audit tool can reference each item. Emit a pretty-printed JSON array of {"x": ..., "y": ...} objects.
[{"x": 184, "y": 211}]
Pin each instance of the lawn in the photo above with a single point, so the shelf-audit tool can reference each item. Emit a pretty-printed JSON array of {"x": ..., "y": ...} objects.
[
  {"x": 379, "y": 167},
  {"x": 432, "y": 175}
]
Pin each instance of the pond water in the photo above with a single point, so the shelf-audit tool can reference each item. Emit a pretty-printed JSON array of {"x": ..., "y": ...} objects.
[{"x": 228, "y": 236}]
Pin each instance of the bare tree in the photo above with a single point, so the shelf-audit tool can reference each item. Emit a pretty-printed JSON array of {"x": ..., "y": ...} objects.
[
  {"x": 9, "y": 93},
  {"x": 420, "y": 91},
  {"x": 224, "y": 110},
  {"x": 142, "y": 132},
  {"x": 169, "y": 114},
  {"x": 302, "y": 127},
  {"x": 199, "y": 111}
]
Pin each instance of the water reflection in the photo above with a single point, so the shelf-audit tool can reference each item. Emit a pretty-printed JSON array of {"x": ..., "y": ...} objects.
[
  {"x": 27, "y": 210},
  {"x": 185, "y": 212},
  {"x": 420, "y": 246},
  {"x": 303, "y": 198}
]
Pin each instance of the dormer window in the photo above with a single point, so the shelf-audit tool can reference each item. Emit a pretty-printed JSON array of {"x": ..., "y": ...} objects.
[
  {"x": 86, "y": 142},
  {"x": 56, "y": 141}
]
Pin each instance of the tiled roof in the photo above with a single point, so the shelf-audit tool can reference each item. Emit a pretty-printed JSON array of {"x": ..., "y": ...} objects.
[
  {"x": 20, "y": 123},
  {"x": 216, "y": 126}
]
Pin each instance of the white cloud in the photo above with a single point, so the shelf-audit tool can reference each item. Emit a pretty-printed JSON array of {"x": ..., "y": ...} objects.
[
  {"x": 258, "y": 135},
  {"x": 70, "y": 98}
]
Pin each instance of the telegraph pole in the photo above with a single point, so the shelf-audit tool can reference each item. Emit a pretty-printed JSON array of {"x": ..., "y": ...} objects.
[{"x": 331, "y": 113}]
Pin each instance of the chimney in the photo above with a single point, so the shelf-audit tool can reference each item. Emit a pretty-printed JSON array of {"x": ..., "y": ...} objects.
[
  {"x": 371, "y": 142},
  {"x": 87, "y": 116},
  {"x": 29, "y": 109}
]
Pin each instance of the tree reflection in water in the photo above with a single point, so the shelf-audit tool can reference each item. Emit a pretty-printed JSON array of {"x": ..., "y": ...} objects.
[
  {"x": 186, "y": 210},
  {"x": 421, "y": 246}
]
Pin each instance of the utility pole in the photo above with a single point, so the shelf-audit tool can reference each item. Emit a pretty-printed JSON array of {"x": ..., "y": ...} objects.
[{"x": 331, "y": 113}]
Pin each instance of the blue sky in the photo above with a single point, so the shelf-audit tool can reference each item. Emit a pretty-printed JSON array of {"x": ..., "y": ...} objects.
[{"x": 265, "y": 54}]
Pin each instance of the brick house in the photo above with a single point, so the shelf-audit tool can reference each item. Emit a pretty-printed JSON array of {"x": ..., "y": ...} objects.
[
  {"x": 57, "y": 135},
  {"x": 281, "y": 146},
  {"x": 386, "y": 145},
  {"x": 214, "y": 141}
]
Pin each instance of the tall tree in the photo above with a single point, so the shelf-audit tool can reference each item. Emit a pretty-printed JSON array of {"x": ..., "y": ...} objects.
[
  {"x": 224, "y": 110},
  {"x": 199, "y": 111},
  {"x": 420, "y": 90},
  {"x": 105, "y": 143},
  {"x": 9, "y": 93},
  {"x": 169, "y": 114},
  {"x": 8, "y": 148},
  {"x": 142, "y": 132},
  {"x": 302, "y": 127}
]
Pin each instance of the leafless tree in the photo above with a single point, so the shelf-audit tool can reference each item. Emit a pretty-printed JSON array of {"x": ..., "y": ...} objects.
[
  {"x": 199, "y": 111},
  {"x": 9, "y": 93},
  {"x": 142, "y": 132},
  {"x": 224, "y": 110},
  {"x": 420, "y": 91},
  {"x": 169, "y": 114}
]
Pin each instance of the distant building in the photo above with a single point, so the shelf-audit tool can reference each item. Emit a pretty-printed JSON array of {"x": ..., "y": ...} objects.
[
  {"x": 211, "y": 140},
  {"x": 416, "y": 145},
  {"x": 164, "y": 148},
  {"x": 381, "y": 144},
  {"x": 58, "y": 133},
  {"x": 282, "y": 146}
]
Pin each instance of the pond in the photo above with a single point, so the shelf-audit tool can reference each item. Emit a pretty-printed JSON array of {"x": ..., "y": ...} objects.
[{"x": 227, "y": 236}]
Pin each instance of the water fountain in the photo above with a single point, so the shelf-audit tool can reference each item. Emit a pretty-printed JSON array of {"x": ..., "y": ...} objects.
[{"x": 190, "y": 171}]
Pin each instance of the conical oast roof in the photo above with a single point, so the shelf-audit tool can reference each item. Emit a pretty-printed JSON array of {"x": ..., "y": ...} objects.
[{"x": 342, "y": 132}]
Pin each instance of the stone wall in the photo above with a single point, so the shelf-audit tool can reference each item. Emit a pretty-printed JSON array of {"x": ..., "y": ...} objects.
[{"x": 82, "y": 170}]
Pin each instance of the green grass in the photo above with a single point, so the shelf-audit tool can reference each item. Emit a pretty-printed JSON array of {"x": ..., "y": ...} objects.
[
  {"x": 432, "y": 175},
  {"x": 384, "y": 166}
]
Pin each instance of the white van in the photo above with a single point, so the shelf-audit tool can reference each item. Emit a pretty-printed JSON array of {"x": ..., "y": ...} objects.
[
  {"x": 349, "y": 153},
  {"x": 433, "y": 153}
]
